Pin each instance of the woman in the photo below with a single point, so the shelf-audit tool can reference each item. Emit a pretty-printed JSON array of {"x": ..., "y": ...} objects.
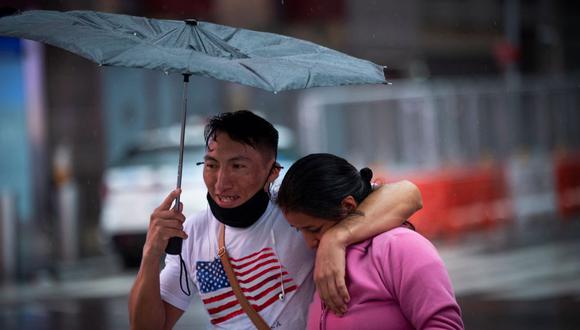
[{"x": 396, "y": 280}]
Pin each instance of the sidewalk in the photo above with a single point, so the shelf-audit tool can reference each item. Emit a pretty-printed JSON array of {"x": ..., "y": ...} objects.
[
  {"x": 521, "y": 276},
  {"x": 96, "y": 277}
]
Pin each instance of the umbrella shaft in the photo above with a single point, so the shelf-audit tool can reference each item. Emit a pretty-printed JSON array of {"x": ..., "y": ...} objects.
[{"x": 182, "y": 137}]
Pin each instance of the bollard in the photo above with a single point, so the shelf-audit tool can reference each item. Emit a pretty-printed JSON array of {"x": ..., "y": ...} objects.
[
  {"x": 67, "y": 207},
  {"x": 68, "y": 223},
  {"x": 8, "y": 235}
]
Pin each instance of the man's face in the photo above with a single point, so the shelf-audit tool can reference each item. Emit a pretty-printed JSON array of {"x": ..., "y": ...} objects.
[{"x": 233, "y": 172}]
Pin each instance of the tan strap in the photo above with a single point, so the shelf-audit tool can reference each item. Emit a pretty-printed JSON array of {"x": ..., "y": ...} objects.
[{"x": 246, "y": 306}]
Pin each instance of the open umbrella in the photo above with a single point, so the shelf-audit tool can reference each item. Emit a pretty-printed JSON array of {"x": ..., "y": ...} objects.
[{"x": 264, "y": 60}]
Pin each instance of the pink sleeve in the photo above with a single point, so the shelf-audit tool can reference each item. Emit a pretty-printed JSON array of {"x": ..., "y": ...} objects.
[{"x": 414, "y": 272}]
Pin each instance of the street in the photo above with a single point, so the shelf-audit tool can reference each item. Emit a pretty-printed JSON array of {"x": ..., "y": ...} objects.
[{"x": 520, "y": 276}]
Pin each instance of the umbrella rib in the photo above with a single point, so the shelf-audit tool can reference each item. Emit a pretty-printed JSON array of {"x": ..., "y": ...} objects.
[
  {"x": 308, "y": 79},
  {"x": 264, "y": 80},
  {"x": 197, "y": 33},
  {"x": 154, "y": 27},
  {"x": 233, "y": 51},
  {"x": 297, "y": 60},
  {"x": 160, "y": 38}
]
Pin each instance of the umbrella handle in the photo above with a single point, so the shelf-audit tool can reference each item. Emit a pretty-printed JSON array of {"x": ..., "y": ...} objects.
[{"x": 174, "y": 244}]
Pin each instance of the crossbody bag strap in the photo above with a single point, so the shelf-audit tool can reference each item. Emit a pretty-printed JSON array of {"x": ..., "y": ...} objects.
[{"x": 246, "y": 306}]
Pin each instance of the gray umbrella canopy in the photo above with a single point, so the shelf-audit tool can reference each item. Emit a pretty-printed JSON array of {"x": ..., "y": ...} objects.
[{"x": 264, "y": 60}]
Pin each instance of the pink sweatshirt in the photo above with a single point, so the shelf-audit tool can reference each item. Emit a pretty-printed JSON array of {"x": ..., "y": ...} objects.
[{"x": 396, "y": 280}]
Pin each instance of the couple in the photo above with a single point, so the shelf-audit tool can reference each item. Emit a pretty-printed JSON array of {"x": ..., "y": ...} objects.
[{"x": 393, "y": 278}]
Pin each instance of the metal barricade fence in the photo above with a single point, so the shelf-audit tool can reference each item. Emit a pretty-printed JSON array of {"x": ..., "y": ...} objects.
[{"x": 449, "y": 128}]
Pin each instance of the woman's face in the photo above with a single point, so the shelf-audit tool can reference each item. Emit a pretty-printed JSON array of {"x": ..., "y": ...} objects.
[{"x": 312, "y": 228}]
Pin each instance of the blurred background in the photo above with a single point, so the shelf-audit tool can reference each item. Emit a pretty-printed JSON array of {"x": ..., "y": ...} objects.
[{"x": 483, "y": 114}]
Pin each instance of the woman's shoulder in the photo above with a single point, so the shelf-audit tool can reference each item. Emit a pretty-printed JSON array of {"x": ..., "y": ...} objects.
[
  {"x": 397, "y": 233},
  {"x": 396, "y": 236},
  {"x": 401, "y": 239}
]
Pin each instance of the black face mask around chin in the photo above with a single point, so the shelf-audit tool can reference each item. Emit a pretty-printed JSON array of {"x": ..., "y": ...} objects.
[{"x": 242, "y": 216}]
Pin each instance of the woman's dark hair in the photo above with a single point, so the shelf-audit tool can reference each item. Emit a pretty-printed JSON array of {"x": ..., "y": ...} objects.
[
  {"x": 245, "y": 127},
  {"x": 316, "y": 185}
]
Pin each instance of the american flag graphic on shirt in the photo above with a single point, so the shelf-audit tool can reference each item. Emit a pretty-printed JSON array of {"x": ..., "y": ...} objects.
[{"x": 259, "y": 275}]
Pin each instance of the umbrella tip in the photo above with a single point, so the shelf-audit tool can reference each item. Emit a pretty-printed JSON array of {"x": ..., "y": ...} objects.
[
  {"x": 7, "y": 11},
  {"x": 191, "y": 21}
]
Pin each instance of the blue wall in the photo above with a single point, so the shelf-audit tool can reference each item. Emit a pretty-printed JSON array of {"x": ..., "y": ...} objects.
[{"x": 14, "y": 144}]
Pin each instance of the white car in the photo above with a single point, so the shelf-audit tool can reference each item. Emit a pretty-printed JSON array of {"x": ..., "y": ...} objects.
[{"x": 137, "y": 184}]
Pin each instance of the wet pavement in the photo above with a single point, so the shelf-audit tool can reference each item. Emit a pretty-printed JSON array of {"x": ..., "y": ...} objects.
[
  {"x": 555, "y": 313},
  {"x": 524, "y": 275}
]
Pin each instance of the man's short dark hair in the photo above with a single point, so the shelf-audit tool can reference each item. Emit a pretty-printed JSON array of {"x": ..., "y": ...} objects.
[{"x": 245, "y": 127}]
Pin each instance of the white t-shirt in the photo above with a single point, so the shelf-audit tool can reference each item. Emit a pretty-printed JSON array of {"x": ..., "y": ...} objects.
[{"x": 266, "y": 256}]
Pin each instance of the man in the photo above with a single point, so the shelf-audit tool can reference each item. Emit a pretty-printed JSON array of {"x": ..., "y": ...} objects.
[{"x": 273, "y": 265}]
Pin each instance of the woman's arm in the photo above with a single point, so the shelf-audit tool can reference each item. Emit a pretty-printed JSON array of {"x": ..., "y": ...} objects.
[{"x": 384, "y": 209}]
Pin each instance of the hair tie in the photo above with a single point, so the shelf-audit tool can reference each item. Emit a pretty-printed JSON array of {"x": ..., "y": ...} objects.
[{"x": 366, "y": 174}]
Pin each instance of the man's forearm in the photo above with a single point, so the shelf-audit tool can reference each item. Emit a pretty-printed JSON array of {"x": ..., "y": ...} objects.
[
  {"x": 385, "y": 208},
  {"x": 146, "y": 310}
]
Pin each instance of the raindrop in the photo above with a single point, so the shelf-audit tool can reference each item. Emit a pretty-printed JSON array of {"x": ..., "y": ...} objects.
[
  {"x": 166, "y": 73},
  {"x": 275, "y": 92},
  {"x": 389, "y": 83},
  {"x": 135, "y": 33},
  {"x": 100, "y": 64},
  {"x": 282, "y": 2}
]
